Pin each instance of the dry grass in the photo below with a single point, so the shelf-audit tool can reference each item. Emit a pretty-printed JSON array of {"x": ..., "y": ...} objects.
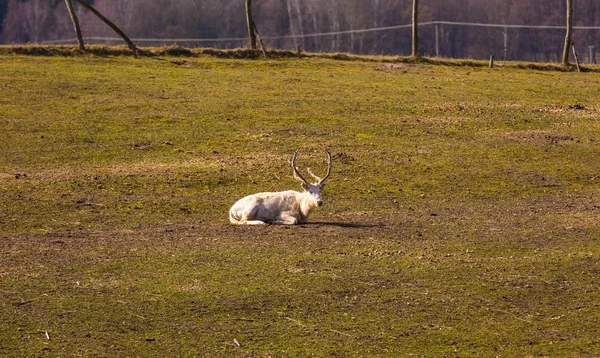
[{"x": 390, "y": 62}]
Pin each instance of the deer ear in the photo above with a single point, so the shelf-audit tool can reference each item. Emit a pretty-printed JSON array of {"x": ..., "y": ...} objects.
[{"x": 304, "y": 186}]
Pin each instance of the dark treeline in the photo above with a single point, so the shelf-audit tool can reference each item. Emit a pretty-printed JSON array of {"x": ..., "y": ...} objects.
[{"x": 38, "y": 21}]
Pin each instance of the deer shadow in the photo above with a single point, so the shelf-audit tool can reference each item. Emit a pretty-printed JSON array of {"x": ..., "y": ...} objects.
[{"x": 342, "y": 224}]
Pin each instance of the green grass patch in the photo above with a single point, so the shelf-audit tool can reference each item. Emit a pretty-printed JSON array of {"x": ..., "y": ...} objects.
[{"x": 460, "y": 219}]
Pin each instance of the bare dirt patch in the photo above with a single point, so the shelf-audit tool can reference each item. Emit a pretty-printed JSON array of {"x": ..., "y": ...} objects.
[
  {"x": 576, "y": 109},
  {"x": 540, "y": 136},
  {"x": 404, "y": 67}
]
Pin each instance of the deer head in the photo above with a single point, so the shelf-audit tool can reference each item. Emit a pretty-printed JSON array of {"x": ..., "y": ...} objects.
[{"x": 314, "y": 189}]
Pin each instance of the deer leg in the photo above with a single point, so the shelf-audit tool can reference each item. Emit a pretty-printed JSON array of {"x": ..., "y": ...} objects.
[
  {"x": 249, "y": 217},
  {"x": 285, "y": 219},
  {"x": 254, "y": 222}
]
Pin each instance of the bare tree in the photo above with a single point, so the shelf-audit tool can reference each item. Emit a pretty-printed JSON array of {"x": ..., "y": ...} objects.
[
  {"x": 291, "y": 21},
  {"x": 109, "y": 24},
  {"x": 251, "y": 25},
  {"x": 565, "y": 57},
  {"x": 415, "y": 29},
  {"x": 335, "y": 23},
  {"x": 300, "y": 25},
  {"x": 75, "y": 24},
  {"x": 35, "y": 19}
]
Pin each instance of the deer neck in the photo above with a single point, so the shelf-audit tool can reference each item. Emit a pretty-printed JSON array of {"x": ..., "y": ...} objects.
[{"x": 306, "y": 205}]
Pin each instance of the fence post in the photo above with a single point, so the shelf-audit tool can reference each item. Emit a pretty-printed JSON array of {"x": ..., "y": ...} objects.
[
  {"x": 505, "y": 34},
  {"x": 492, "y": 61},
  {"x": 437, "y": 40},
  {"x": 415, "y": 29},
  {"x": 592, "y": 54}
]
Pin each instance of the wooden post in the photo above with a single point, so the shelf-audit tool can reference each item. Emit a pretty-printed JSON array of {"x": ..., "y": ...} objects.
[
  {"x": 592, "y": 55},
  {"x": 415, "y": 29},
  {"x": 75, "y": 24},
  {"x": 575, "y": 55},
  {"x": 110, "y": 24},
  {"x": 251, "y": 26},
  {"x": 565, "y": 58},
  {"x": 492, "y": 61},
  {"x": 299, "y": 48}
]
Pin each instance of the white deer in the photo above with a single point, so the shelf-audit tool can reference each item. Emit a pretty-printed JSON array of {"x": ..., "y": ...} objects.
[{"x": 284, "y": 207}]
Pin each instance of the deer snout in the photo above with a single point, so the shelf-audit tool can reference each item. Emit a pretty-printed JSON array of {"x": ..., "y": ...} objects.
[{"x": 319, "y": 202}]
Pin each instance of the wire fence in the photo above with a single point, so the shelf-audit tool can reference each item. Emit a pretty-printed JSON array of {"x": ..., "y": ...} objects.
[{"x": 277, "y": 41}]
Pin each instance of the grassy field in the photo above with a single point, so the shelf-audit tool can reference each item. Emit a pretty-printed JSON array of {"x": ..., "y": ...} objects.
[{"x": 461, "y": 217}]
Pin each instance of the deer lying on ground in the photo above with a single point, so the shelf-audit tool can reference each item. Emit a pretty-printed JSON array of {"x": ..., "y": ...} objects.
[{"x": 285, "y": 207}]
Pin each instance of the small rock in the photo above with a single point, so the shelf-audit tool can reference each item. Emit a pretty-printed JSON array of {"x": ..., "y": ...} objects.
[{"x": 576, "y": 107}]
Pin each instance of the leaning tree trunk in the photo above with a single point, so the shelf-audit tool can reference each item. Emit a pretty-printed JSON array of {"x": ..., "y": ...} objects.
[
  {"x": 300, "y": 26},
  {"x": 110, "y": 24},
  {"x": 75, "y": 24},
  {"x": 415, "y": 29},
  {"x": 262, "y": 45},
  {"x": 251, "y": 33},
  {"x": 565, "y": 57}
]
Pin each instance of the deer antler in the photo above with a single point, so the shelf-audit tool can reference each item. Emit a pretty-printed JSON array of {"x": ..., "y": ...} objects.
[
  {"x": 328, "y": 169},
  {"x": 296, "y": 173},
  {"x": 319, "y": 179}
]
